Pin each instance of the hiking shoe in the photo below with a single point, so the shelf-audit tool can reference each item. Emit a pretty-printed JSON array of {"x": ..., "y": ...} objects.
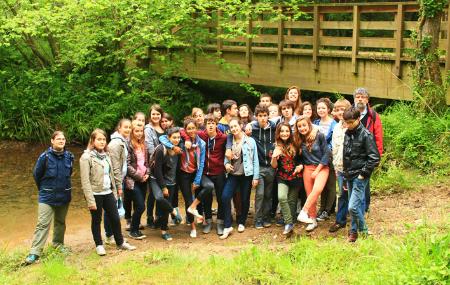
[
  {"x": 288, "y": 229},
  {"x": 166, "y": 236},
  {"x": 267, "y": 224},
  {"x": 241, "y": 228},
  {"x": 303, "y": 217},
  {"x": 280, "y": 222},
  {"x": 323, "y": 216},
  {"x": 100, "y": 250},
  {"x": 126, "y": 246},
  {"x": 207, "y": 226},
  {"x": 226, "y": 232},
  {"x": 312, "y": 226},
  {"x": 109, "y": 240},
  {"x": 220, "y": 227},
  {"x": 335, "y": 227},
  {"x": 352, "y": 237},
  {"x": 31, "y": 259},
  {"x": 193, "y": 234},
  {"x": 259, "y": 225},
  {"x": 137, "y": 235}
]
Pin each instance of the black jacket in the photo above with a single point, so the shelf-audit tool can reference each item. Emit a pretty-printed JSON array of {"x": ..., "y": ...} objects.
[{"x": 360, "y": 155}]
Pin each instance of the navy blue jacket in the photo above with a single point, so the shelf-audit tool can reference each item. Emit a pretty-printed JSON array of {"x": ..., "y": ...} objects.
[{"x": 52, "y": 176}]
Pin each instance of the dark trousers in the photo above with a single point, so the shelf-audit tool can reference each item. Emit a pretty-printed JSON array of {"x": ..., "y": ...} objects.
[
  {"x": 163, "y": 203},
  {"x": 328, "y": 195},
  {"x": 174, "y": 196},
  {"x": 127, "y": 199},
  {"x": 109, "y": 204},
  {"x": 273, "y": 211},
  {"x": 218, "y": 184},
  {"x": 139, "y": 193},
  {"x": 244, "y": 183},
  {"x": 185, "y": 181},
  {"x": 367, "y": 197}
]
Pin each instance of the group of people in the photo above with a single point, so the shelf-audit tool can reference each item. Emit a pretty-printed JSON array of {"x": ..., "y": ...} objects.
[{"x": 289, "y": 154}]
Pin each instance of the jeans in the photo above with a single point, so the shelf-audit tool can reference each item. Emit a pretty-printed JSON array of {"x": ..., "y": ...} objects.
[
  {"x": 232, "y": 183},
  {"x": 263, "y": 196},
  {"x": 367, "y": 198},
  {"x": 185, "y": 182},
  {"x": 341, "y": 215},
  {"x": 288, "y": 196},
  {"x": 163, "y": 203},
  {"x": 47, "y": 213},
  {"x": 109, "y": 204},
  {"x": 218, "y": 182},
  {"x": 328, "y": 195},
  {"x": 139, "y": 193},
  {"x": 356, "y": 204}
]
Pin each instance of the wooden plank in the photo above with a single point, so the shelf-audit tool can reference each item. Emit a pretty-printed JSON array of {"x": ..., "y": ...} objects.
[
  {"x": 398, "y": 40},
  {"x": 447, "y": 56},
  {"x": 265, "y": 24},
  {"x": 289, "y": 30},
  {"x": 299, "y": 25},
  {"x": 336, "y": 41},
  {"x": 355, "y": 38},
  {"x": 298, "y": 40},
  {"x": 316, "y": 39},
  {"x": 378, "y": 25},
  {"x": 248, "y": 43},
  {"x": 280, "y": 41},
  {"x": 375, "y": 42},
  {"x": 336, "y": 25}
]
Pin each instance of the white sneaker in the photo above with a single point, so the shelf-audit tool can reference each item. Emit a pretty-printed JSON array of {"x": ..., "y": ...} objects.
[
  {"x": 226, "y": 232},
  {"x": 126, "y": 246},
  {"x": 193, "y": 234},
  {"x": 100, "y": 250},
  {"x": 303, "y": 217},
  {"x": 311, "y": 226},
  {"x": 196, "y": 214},
  {"x": 109, "y": 240},
  {"x": 241, "y": 228}
]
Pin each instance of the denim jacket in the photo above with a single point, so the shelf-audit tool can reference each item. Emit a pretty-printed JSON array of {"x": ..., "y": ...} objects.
[{"x": 249, "y": 158}]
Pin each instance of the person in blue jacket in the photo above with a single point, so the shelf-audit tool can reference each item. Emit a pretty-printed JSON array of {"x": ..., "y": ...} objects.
[{"x": 52, "y": 174}]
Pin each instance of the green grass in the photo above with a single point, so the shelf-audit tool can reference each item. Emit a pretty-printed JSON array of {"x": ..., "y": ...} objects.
[{"x": 420, "y": 257}]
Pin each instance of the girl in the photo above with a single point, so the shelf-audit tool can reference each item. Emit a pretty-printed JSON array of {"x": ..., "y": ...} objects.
[
  {"x": 199, "y": 117},
  {"x": 293, "y": 94},
  {"x": 118, "y": 153},
  {"x": 243, "y": 173},
  {"x": 152, "y": 131},
  {"x": 191, "y": 170},
  {"x": 137, "y": 175},
  {"x": 52, "y": 176},
  {"x": 214, "y": 108},
  {"x": 163, "y": 180},
  {"x": 315, "y": 155},
  {"x": 245, "y": 115},
  {"x": 139, "y": 116},
  {"x": 97, "y": 182},
  {"x": 326, "y": 126},
  {"x": 307, "y": 109},
  {"x": 284, "y": 159},
  {"x": 166, "y": 121}
]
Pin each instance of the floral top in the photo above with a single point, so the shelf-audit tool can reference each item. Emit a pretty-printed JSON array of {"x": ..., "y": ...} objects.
[{"x": 286, "y": 167}]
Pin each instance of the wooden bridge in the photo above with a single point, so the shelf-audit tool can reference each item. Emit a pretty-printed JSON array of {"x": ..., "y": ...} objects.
[{"x": 331, "y": 48}]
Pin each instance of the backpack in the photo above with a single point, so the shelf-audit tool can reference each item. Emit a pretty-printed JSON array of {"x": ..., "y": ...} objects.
[{"x": 152, "y": 160}]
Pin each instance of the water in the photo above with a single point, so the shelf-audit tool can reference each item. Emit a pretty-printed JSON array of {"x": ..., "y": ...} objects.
[{"x": 19, "y": 195}]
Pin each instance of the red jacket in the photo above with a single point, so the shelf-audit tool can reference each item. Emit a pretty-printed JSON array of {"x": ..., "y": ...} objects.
[
  {"x": 215, "y": 151},
  {"x": 372, "y": 122}
]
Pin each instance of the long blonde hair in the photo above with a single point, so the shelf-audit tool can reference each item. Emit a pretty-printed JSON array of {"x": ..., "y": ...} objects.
[
  {"x": 92, "y": 138},
  {"x": 307, "y": 139},
  {"x": 138, "y": 144}
]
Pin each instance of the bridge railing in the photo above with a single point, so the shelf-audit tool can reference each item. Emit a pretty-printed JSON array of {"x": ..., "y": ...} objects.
[{"x": 330, "y": 30}]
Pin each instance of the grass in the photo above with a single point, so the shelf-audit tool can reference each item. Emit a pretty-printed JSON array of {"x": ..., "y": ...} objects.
[{"x": 420, "y": 257}]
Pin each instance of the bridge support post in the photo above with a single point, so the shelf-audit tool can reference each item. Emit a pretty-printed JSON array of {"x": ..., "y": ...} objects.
[
  {"x": 399, "y": 40},
  {"x": 316, "y": 37},
  {"x": 355, "y": 40}
]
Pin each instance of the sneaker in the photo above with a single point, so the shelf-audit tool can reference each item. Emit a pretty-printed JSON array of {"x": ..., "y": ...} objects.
[
  {"x": 352, "y": 237},
  {"x": 166, "y": 236},
  {"x": 267, "y": 224},
  {"x": 226, "y": 232},
  {"x": 207, "y": 226},
  {"x": 177, "y": 219},
  {"x": 220, "y": 227},
  {"x": 288, "y": 229},
  {"x": 128, "y": 226},
  {"x": 323, "y": 216},
  {"x": 312, "y": 226},
  {"x": 259, "y": 225},
  {"x": 193, "y": 234},
  {"x": 195, "y": 213},
  {"x": 109, "y": 240},
  {"x": 280, "y": 222},
  {"x": 137, "y": 235},
  {"x": 303, "y": 217},
  {"x": 126, "y": 246},
  {"x": 241, "y": 228},
  {"x": 157, "y": 224},
  {"x": 100, "y": 250},
  {"x": 31, "y": 258},
  {"x": 335, "y": 227}
]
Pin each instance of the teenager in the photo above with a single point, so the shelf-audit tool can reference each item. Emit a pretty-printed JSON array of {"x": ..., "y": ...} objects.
[
  {"x": 199, "y": 117},
  {"x": 52, "y": 174},
  {"x": 307, "y": 109},
  {"x": 360, "y": 157},
  {"x": 265, "y": 100},
  {"x": 371, "y": 121},
  {"x": 229, "y": 110},
  {"x": 245, "y": 115},
  {"x": 137, "y": 175},
  {"x": 326, "y": 125},
  {"x": 273, "y": 111},
  {"x": 315, "y": 156},
  {"x": 293, "y": 94},
  {"x": 140, "y": 117},
  {"x": 337, "y": 149},
  {"x": 243, "y": 174},
  {"x": 215, "y": 109},
  {"x": 285, "y": 161},
  {"x": 166, "y": 121},
  {"x": 118, "y": 152},
  {"x": 163, "y": 180},
  {"x": 100, "y": 192},
  {"x": 287, "y": 108}
]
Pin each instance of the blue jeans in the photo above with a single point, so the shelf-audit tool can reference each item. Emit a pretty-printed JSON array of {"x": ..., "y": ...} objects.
[
  {"x": 244, "y": 183},
  {"x": 341, "y": 215},
  {"x": 356, "y": 205},
  {"x": 139, "y": 193}
]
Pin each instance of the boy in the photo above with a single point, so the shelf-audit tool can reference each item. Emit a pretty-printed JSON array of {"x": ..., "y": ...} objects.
[
  {"x": 265, "y": 100},
  {"x": 229, "y": 110}
]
